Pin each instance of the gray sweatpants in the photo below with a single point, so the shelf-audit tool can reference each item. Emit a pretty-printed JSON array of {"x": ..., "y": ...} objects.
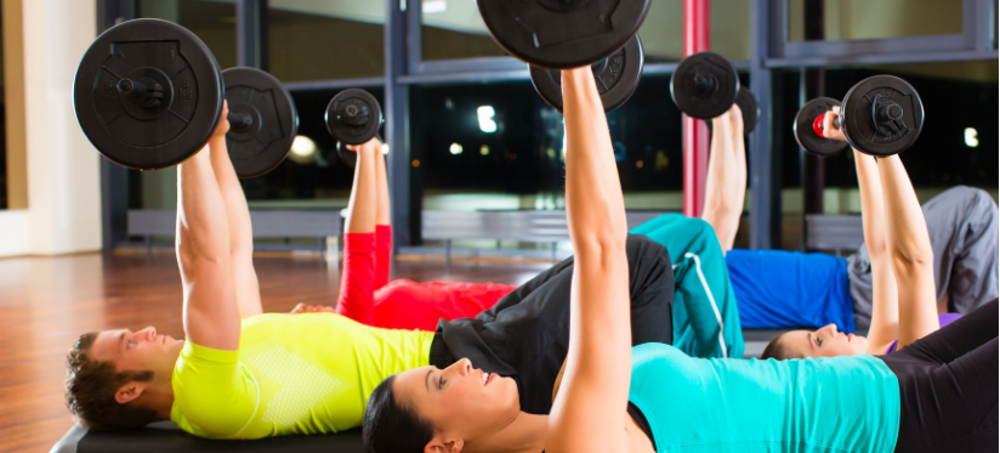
[{"x": 962, "y": 222}]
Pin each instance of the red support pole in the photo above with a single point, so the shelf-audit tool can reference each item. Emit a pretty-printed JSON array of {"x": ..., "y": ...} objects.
[{"x": 695, "y": 132}]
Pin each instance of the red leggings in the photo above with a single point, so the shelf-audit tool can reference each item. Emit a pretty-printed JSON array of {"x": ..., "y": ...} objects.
[{"x": 367, "y": 296}]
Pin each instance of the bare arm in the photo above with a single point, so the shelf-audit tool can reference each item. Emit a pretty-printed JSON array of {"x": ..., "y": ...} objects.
[
  {"x": 362, "y": 210},
  {"x": 727, "y": 177},
  {"x": 897, "y": 240},
  {"x": 211, "y": 316},
  {"x": 885, "y": 298},
  {"x": 910, "y": 251},
  {"x": 588, "y": 412},
  {"x": 245, "y": 283},
  {"x": 382, "y": 216}
]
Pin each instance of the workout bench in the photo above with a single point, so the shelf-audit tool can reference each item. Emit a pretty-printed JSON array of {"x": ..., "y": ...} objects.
[
  {"x": 834, "y": 232},
  {"x": 524, "y": 226},
  {"x": 166, "y": 437}
]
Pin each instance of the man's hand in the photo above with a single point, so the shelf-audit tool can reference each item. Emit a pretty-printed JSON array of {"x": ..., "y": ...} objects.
[{"x": 223, "y": 127}]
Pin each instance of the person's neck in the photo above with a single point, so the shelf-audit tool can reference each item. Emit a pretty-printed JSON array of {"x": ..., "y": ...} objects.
[
  {"x": 159, "y": 397},
  {"x": 524, "y": 434}
]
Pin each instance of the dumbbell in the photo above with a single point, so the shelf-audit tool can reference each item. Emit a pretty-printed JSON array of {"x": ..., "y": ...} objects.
[
  {"x": 148, "y": 94},
  {"x": 551, "y": 35},
  {"x": 881, "y": 116},
  {"x": 617, "y": 77},
  {"x": 705, "y": 85},
  {"x": 563, "y": 34},
  {"x": 353, "y": 117}
]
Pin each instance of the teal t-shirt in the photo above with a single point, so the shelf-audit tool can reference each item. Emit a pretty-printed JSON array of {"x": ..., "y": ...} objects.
[{"x": 839, "y": 404}]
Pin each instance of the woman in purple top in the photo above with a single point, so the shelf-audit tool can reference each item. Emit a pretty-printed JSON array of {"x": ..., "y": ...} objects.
[{"x": 901, "y": 312}]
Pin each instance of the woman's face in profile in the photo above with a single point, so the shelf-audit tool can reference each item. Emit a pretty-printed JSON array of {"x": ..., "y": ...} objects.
[
  {"x": 459, "y": 401},
  {"x": 826, "y": 341}
]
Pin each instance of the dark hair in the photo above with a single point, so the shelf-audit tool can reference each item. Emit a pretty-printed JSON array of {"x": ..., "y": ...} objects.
[
  {"x": 91, "y": 386},
  {"x": 390, "y": 427},
  {"x": 775, "y": 350}
]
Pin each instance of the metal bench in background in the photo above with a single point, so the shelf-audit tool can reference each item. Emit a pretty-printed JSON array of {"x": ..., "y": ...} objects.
[
  {"x": 523, "y": 226},
  {"x": 323, "y": 225},
  {"x": 837, "y": 233},
  {"x": 834, "y": 232}
]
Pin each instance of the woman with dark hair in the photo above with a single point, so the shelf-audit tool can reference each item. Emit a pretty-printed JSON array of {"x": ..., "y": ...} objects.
[
  {"x": 938, "y": 393},
  {"x": 902, "y": 312}
]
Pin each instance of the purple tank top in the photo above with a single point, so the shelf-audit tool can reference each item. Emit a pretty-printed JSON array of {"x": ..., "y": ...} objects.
[{"x": 943, "y": 320}]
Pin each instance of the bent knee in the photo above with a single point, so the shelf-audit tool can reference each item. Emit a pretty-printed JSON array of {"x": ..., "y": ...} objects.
[{"x": 698, "y": 228}]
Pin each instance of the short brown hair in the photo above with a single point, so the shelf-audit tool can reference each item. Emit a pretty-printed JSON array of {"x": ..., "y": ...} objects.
[
  {"x": 91, "y": 386},
  {"x": 775, "y": 350}
]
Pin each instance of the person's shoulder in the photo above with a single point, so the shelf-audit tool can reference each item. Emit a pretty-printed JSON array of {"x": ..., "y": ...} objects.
[{"x": 648, "y": 352}]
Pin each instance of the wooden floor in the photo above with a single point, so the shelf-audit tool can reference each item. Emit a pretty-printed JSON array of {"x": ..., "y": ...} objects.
[{"x": 46, "y": 303}]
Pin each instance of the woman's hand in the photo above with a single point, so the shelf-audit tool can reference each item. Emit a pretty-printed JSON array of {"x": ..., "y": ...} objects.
[
  {"x": 828, "y": 130},
  {"x": 303, "y": 308},
  {"x": 369, "y": 147}
]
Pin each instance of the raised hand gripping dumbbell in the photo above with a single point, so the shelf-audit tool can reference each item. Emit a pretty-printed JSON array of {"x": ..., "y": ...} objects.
[
  {"x": 552, "y": 35},
  {"x": 881, "y": 116},
  {"x": 353, "y": 117},
  {"x": 705, "y": 85},
  {"x": 148, "y": 95},
  {"x": 617, "y": 78}
]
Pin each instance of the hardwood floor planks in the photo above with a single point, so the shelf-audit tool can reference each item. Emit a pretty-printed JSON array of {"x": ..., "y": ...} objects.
[{"x": 46, "y": 303}]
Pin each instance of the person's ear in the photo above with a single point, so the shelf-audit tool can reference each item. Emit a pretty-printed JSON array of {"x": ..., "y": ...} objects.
[
  {"x": 129, "y": 392},
  {"x": 438, "y": 445}
]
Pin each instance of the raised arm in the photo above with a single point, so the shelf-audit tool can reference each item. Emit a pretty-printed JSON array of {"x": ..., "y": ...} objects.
[
  {"x": 589, "y": 411},
  {"x": 910, "y": 252},
  {"x": 382, "y": 216},
  {"x": 245, "y": 283},
  {"x": 885, "y": 309},
  {"x": 357, "y": 282},
  {"x": 362, "y": 211},
  {"x": 727, "y": 177},
  {"x": 211, "y": 317},
  {"x": 383, "y": 221},
  {"x": 904, "y": 303}
]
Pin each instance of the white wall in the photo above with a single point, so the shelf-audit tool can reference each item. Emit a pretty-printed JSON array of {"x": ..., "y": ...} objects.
[{"x": 64, "y": 202}]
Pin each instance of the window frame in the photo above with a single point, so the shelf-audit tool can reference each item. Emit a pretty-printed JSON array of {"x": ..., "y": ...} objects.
[{"x": 769, "y": 50}]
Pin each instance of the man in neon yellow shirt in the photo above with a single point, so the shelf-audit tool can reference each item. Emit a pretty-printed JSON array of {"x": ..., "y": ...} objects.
[{"x": 242, "y": 374}]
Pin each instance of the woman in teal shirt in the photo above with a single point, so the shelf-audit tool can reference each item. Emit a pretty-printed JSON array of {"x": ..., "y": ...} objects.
[{"x": 675, "y": 402}]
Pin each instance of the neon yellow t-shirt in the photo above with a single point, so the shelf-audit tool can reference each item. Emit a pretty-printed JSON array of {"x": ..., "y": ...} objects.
[{"x": 294, "y": 374}]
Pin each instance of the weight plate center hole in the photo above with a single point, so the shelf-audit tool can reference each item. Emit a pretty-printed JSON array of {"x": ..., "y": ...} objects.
[
  {"x": 706, "y": 84},
  {"x": 355, "y": 114}
]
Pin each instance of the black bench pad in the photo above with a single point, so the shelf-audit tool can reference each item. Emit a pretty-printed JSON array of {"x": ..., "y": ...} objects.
[{"x": 166, "y": 437}]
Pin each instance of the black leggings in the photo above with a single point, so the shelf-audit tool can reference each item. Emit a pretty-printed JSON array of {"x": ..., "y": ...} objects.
[
  {"x": 526, "y": 334},
  {"x": 948, "y": 386}
]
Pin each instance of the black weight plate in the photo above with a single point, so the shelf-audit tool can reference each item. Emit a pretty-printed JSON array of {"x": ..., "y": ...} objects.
[
  {"x": 148, "y": 138},
  {"x": 256, "y": 148},
  {"x": 704, "y": 85},
  {"x": 353, "y": 116},
  {"x": 748, "y": 107},
  {"x": 807, "y": 137},
  {"x": 562, "y": 34},
  {"x": 348, "y": 157},
  {"x": 862, "y": 126},
  {"x": 617, "y": 78}
]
